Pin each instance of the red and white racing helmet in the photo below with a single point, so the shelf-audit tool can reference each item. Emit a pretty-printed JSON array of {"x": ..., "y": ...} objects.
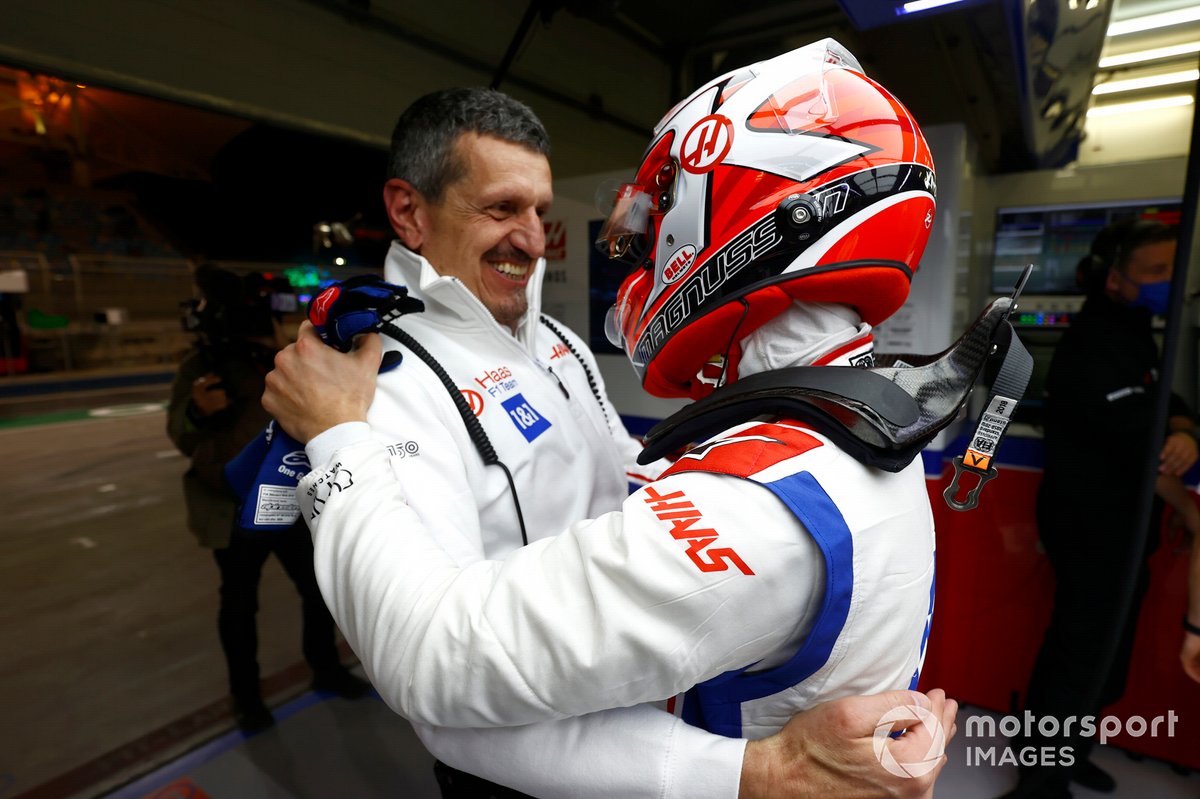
[{"x": 797, "y": 178}]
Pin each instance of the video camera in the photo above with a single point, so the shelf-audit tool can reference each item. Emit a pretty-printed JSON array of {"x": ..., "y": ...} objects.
[{"x": 233, "y": 311}]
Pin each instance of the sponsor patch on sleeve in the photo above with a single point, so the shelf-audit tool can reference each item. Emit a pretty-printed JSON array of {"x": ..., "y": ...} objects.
[{"x": 334, "y": 481}]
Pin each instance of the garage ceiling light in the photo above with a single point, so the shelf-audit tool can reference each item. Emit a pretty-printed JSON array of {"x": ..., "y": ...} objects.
[
  {"x": 1147, "y": 82},
  {"x": 1154, "y": 54},
  {"x": 923, "y": 5},
  {"x": 1173, "y": 101},
  {"x": 1152, "y": 21}
]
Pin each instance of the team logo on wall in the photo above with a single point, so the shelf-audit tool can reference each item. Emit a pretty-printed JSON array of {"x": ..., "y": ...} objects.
[
  {"x": 706, "y": 144},
  {"x": 529, "y": 422},
  {"x": 474, "y": 400},
  {"x": 556, "y": 240}
]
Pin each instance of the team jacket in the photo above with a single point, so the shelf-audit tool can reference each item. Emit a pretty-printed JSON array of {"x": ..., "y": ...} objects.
[
  {"x": 568, "y": 455},
  {"x": 533, "y": 398}
]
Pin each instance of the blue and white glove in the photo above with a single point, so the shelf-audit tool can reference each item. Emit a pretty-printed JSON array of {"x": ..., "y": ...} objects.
[
  {"x": 264, "y": 475},
  {"x": 361, "y": 304}
]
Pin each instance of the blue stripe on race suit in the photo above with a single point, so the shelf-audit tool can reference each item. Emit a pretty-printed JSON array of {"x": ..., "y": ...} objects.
[
  {"x": 912, "y": 684},
  {"x": 715, "y": 705}
]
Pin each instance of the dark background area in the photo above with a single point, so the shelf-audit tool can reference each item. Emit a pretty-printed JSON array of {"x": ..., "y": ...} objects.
[{"x": 269, "y": 187}]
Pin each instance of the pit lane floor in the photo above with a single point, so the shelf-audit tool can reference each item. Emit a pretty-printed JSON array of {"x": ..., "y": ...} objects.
[{"x": 111, "y": 664}]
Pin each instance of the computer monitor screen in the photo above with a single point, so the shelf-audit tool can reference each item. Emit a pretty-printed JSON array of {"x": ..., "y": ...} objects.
[{"x": 1055, "y": 237}]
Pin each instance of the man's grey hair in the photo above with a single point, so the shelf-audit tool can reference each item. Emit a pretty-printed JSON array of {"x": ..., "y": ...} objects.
[{"x": 423, "y": 152}]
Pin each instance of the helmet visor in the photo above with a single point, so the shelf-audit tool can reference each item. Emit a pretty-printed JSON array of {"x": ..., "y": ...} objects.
[
  {"x": 622, "y": 317},
  {"x": 612, "y": 324},
  {"x": 629, "y": 220},
  {"x": 616, "y": 321}
]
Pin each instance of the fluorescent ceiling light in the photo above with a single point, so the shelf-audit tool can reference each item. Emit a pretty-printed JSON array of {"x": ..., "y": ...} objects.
[
  {"x": 1152, "y": 21},
  {"x": 1133, "y": 84},
  {"x": 923, "y": 5},
  {"x": 1108, "y": 62},
  {"x": 1173, "y": 101}
]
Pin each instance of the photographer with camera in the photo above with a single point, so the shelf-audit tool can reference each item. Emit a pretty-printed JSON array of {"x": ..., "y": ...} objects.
[{"x": 214, "y": 411}]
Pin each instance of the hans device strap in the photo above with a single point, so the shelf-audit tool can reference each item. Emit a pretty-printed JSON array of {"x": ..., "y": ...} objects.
[{"x": 1008, "y": 388}]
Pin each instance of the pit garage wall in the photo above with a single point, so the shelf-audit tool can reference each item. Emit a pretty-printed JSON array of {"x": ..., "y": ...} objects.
[{"x": 994, "y": 584}]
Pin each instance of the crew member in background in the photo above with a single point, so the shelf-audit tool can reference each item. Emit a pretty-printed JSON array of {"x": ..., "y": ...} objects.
[
  {"x": 214, "y": 411},
  {"x": 470, "y": 183},
  {"x": 1100, "y": 398}
]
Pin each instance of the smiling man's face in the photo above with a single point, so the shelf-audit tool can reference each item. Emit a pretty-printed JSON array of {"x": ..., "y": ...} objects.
[{"x": 487, "y": 228}]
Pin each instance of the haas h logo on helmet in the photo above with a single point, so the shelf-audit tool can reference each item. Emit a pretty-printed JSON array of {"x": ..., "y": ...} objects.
[{"x": 706, "y": 144}]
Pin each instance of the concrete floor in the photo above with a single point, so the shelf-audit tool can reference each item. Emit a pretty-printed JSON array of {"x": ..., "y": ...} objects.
[
  {"x": 337, "y": 748},
  {"x": 107, "y": 605}
]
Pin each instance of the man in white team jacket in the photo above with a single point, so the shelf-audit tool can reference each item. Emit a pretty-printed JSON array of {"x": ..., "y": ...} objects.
[{"x": 766, "y": 572}]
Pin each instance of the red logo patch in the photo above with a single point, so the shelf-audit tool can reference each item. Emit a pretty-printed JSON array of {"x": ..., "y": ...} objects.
[
  {"x": 318, "y": 309},
  {"x": 706, "y": 144},
  {"x": 474, "y": 399},
  {"x": 556, "y": 240},
  {"x": 747, "y": 452}
]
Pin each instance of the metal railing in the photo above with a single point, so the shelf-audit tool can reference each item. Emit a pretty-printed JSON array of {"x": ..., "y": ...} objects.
[{"x": 94, "y": 311}]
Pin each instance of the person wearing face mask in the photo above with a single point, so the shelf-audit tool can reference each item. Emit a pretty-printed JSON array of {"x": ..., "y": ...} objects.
[{"x": 1100, "y": 396}]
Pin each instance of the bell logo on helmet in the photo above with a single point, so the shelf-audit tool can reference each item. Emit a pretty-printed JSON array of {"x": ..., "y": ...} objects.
[
  {"x": 706, "y": 144},
  {"x": 681, "y": 259},
  {"x": 732, "y": 258}
]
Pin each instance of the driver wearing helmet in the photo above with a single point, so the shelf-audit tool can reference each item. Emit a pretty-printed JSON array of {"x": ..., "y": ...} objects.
[{"x": 779, "y": 213}]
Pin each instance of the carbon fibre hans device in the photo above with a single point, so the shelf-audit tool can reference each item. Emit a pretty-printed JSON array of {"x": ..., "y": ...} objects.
[{"x": 883, "y": 416}]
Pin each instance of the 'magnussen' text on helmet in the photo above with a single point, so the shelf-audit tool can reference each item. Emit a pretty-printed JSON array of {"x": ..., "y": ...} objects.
[{"x": 796, "y": 178}]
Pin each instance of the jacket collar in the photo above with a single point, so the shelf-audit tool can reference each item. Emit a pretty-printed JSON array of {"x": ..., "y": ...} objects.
[{"x": 454, "y": 300}]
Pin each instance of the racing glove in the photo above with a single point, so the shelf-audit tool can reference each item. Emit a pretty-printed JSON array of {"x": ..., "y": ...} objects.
[{"x": 264, "y": 475}]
